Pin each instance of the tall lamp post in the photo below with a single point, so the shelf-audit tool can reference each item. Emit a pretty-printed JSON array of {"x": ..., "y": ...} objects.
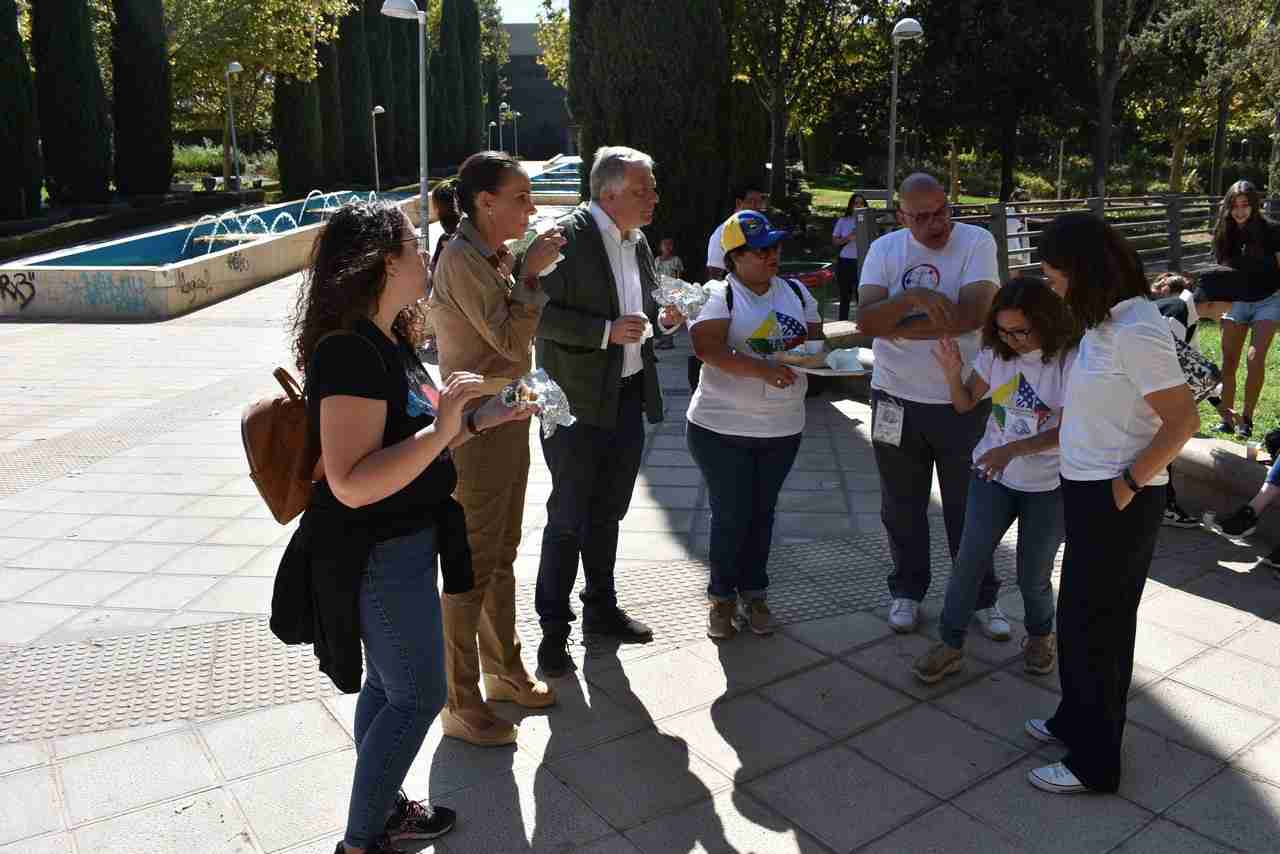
[
  {"x": 373, "y": 120},
  {"x": 233, "y": 68},
  {"x": 515, "y": 122},
  {"x": 492, "y": 125},
  {"x": 908, "y": 29},
  {"x": 503, "y": 109},
  {"x": 408, "y": 10}
]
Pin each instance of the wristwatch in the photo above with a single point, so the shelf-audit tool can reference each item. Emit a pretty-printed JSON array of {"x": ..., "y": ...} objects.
[
  {"x": 471, "y": 423},
  {"x": 1130, "y": 482}
]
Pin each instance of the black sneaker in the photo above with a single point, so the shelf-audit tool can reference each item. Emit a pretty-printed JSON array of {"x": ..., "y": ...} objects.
[
  {"x": 1176, "y": 517},
  {"x": 553, "y": 655},
  {"x": 1272, "y": 560},
  {"x": 1245, "y": 428},
  {"x": 1241, "y": 523},
  {"x": 617, "y": 623},
  {"x": 419, "y": 820},
  {"x": 1226, "y": 426},
  {"x": 381, "y": 845}
]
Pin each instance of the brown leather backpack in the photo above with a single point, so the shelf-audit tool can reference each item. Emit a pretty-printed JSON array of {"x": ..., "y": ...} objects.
[{"x": 274, "y": 432}]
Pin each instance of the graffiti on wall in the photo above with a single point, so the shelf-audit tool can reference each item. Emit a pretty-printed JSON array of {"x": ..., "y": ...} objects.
[
  {"x": 237, "y": 262},
  {"x": 195, "y": 286},
  {"x": 18, "y": 287},
  {"x": 121, "y": 293}
]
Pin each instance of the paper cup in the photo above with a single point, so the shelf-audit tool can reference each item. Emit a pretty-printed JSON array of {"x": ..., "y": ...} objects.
[{"x": 1251, "y": 450}]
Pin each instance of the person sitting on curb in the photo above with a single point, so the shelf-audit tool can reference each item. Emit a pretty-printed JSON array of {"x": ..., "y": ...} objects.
[
  {"x": 1243, "y": 521},
  {"x": 1028, "y": 349}
]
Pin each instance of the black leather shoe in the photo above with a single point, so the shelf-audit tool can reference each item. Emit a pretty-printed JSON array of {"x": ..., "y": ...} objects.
[
  {"x": 553, "y": 655},
  {"x": 617, "y": 623}
]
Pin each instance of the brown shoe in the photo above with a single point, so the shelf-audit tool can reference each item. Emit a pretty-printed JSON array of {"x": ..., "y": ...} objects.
[
  {"x": 527, "y": 692},
  {"x": 758, "y": 617},
  {"x": 494, "y": 732},
  {"x": 720, "y": 616},
  {"x": 938, "y": 663},
  {"x": 1038, "y": 653}
]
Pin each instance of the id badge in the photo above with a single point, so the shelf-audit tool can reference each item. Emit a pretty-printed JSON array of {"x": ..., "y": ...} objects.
[{"x": 887, "y": 428}]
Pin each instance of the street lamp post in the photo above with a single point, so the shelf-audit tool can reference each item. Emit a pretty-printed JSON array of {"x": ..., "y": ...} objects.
[
  {"x": 233, "y": 68},
  {"x": 408, "y": 10},
  {"x": 908, "y": 29},
  {"x": 503, "y": 109},
  {"x": 373, "y": 120},
  {"x": 1244, "y": 150},
  {"x": 492, "y": 125},
  {"x": 515, "y": 121}
]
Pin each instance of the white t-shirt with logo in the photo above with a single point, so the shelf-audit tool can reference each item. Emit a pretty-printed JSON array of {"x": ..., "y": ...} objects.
[
  {"x": 907, "y": 369},
  {"x": 1026, "y": 400},
  {"x": 1108, "y": 421},
  {"x": 847, "y": 226},
  {"x": 715, "y": 253},
  {"x": 759, "y": 325}
]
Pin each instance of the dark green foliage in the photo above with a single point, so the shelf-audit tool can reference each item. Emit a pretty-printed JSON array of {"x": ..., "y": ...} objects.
[
  {"x": 295, "y": 120},
  {"x": 747, "y": 125},
  {"x": 654, "y": 75},
  {"x": 452, "y": 146},
  {"x": 20, "y": 171},
  {"x": 378, "y": 37},
  {"x": 143, "y": 103},
  {"x": 332, "y": 124},
  {"x": 404, "y": 72},
  {"x": 74, "y": 123},
  {"x": 472, "y": 78},
  {"x": 357, "y": 98}
]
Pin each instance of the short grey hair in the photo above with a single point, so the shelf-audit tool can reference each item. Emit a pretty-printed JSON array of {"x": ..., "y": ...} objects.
[
  {"x": 921, "y": 182},
  {"x": 609, "y": 171}
]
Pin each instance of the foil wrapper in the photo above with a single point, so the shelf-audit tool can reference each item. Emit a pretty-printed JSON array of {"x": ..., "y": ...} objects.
[
  {"x": 851, "y": 359},
  {"x": 687, "y": 297},
  {"x": 538, "y": 389}
]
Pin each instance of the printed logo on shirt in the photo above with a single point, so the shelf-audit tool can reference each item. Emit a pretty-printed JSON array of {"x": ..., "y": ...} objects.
[
  {"x": 922, "y": 276},
  {"x": 1018, "y": 409},
  {"x": 778, "y": 332}
]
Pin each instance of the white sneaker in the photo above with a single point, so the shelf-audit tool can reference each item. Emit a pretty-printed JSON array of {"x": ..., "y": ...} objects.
[
  {"x": 1056, "y": 778},
  {"x": 993, "y": 623},
  {"x": 1038, "y": 729},
  {"x": 904, "y": 614}
]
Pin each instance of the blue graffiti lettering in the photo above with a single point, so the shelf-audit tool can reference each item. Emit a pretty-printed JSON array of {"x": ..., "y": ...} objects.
[{"x": 119, "y": 293}]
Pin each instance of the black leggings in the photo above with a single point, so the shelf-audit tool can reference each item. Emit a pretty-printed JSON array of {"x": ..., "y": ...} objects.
[{"x": 847, "y": 282}]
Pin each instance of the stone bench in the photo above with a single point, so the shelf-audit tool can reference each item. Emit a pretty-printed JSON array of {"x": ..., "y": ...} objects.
[{"x": 1213, "y": 474}]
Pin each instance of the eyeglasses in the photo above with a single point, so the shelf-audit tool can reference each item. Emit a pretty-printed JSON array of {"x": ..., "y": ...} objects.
[
  {"x": 766, "y": 251},
  {"x": 926, "y": 217},
  {"x": 1012, "y": 334}
]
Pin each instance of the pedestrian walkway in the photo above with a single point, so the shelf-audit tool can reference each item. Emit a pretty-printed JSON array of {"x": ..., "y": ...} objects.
[{"x": 144, "y": 706}]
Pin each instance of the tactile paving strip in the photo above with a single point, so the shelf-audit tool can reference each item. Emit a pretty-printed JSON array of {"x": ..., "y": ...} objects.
[{"x": 238, "y": 665}]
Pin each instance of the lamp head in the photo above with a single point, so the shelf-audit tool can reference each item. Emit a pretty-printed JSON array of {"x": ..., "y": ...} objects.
[
  {"x": 377, "y": 111},
  {"x": 908, "y": 29},
  {"x": 504, "y": 106},
  {"x": 493, "y": 124},
  {"x": 234, "y": 68},
  {"x": 404, "y": 9}
]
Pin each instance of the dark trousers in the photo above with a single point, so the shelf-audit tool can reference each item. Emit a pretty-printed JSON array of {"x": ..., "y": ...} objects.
[
  {"x": 744, "y": 475},
  {"x": 593, "y": 472},
  {"x": 933, "y": 434},
  {"x": 1104, "y": 569},
  {"x": 847, "y": 282}
]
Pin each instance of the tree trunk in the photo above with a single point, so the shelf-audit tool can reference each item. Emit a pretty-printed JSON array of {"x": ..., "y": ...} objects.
[
  {"x": 955, "y": 172},
  {"x": 778, "y": 145},
  {"x": 1179, "y": 141},
  {"x": 1220, "y": 140},
  {"x": 1008, "y": 153},
  {"x": 1102, "y": 140},
  {"x": 1273, "y": 171}
]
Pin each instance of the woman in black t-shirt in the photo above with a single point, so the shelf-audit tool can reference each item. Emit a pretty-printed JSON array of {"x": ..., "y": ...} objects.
[
  {"x": 385, "y": 432},
  {"x": 1245, "y": 241}
]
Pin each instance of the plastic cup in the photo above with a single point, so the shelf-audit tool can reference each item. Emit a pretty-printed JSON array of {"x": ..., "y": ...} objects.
[{"x": 1251, "y": 451}]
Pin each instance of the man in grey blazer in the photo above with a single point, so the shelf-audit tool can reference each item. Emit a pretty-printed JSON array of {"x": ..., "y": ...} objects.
[{"x": 595, "y": 340}]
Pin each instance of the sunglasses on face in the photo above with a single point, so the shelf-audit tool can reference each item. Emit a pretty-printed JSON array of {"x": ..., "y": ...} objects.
[{"x": 767, "y": 251}]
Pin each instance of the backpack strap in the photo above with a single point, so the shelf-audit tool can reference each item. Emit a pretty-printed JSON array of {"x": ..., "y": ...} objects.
[{"x": 795, "y": 289}]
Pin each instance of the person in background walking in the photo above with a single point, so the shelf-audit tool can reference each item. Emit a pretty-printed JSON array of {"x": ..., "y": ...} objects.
[
  {"x": 747, "y": 415},
  {"x": 845, "y": 235},
  {"x": 931, "y": 280},
  {"x": 1128, "y": 412},
  {"x": 446, "y": 206},
  {"x": 1244, "y": 240},
  {"x": 485, "y": 322},
  {"x": 667, "y": 263},
  {"x": 1028, "y": 348},
  {"x": 1016, "y": 226}
]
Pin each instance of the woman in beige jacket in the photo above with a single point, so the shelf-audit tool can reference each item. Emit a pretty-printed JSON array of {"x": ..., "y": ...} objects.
[{"x": 485, "y": 323}]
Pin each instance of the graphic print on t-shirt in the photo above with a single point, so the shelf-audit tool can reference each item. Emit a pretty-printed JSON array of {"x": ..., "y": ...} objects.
[
  {"x": 1018, "y": 409},
  {"x": 922, "y": 276},
  {"x": 423, "y": 396},
  {"x": 778, "y": 332}
]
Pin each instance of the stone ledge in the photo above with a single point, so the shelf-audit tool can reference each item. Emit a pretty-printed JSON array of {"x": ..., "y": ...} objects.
[{"x": 1213, "y": 474}]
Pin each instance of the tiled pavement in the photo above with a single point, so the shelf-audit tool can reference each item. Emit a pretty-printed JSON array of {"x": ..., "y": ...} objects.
[{"x": 135, "y": 570}]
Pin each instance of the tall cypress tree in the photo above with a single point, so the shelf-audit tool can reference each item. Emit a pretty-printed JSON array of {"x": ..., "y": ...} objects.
[
  {"x": 74, "y": 123},
  {"x": 142, "y": 103},
  {"x": 472, "y": 78},
  {"x": 668, "y": 103},
  {"x": 453, "y": 138},
  {"x": 20, "y": 170},
  {"x": 357, "y": 98},
  {"x": 295, "y": 121},
  {"x": 332, "y": 126},
  {"x": 378, "y": 37},
  {"x": 404, "y": 70}
]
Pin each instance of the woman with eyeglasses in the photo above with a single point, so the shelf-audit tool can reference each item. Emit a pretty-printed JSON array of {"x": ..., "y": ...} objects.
[
  {"x": 382, "y": 511},
  {"x": 1028, "y": 347},
  {"x": 1128, "y": 411},
  {"x": 747, "y": 414},
  {"x": 485, "y": 322}
]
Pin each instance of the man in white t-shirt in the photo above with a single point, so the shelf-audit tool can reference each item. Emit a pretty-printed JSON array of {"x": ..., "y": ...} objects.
[
  {"x": 749, "y": 196},
  {"x": 933, "y": 279}
]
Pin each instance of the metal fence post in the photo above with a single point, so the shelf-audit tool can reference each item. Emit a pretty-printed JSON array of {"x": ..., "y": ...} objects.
[
  {"x": 1000, "y": 231},
  {"x": 1174, "y": 211},
  {"x": 1098, "y": 206},
  {"x": 862, "y": 234}
]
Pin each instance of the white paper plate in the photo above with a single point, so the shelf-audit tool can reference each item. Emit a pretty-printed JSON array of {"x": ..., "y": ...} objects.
[{"x": 828, "y": 372}]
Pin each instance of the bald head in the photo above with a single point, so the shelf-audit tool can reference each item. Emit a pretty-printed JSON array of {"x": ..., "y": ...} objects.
[
  {"x": 923, "y": 208},
  {"x": 921, "y": 184}
]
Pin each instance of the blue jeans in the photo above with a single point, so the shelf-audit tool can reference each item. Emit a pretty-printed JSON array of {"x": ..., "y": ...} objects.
[
  {"x": 404, "y": 683},
  {"x": 744, "y": 476},
  {"x": 1273, "y": 474},
  {"x": 992, "y": 507}
]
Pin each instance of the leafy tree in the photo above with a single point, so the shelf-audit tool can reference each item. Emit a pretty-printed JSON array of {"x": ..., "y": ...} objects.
[
  {"x": 379, "y": 36},
  {"x": 450, "y": 131},
  {"x": 143, "y": 104},
  {"x": 473, "y": 124},
  {"x": 74, "y": 122},
  {"x": 20, "y": 170},
  {"x": 404, "y": 68},
  {"x": 552, "y": 36},
  {"x": 297, "y": 132},
  {"x": 332, "y": 123},
  {"x": 495, "y": 45},
  {"x": 357, "y": 98},
  {"x": 1116, "y": 30}
]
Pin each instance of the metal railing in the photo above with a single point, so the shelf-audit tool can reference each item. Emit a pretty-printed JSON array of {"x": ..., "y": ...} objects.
[{"x": 1173, "y": 232}]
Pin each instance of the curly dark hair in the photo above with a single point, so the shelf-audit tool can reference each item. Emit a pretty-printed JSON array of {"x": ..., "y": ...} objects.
[
  {"x": 1102, "y": 269},
  {"x": 1046, "y": 314},
  {"x": 445, "y": 204},
  {"x": 347, "y": 274},
  {"x": 1255, "y": 227}
]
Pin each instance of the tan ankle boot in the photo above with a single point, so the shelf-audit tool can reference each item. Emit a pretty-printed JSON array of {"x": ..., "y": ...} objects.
[
  {"x": 493, "y": 732},
  {"x": 527, "y": 692}
]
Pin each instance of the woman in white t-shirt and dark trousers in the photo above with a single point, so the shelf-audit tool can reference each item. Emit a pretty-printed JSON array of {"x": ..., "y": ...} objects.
[
  {"x": 747, "y": 414},
  {"x": 1028, "y": 345},
  {"x": 845, "y": 235},
  {"x": 1128, "y": 411}
]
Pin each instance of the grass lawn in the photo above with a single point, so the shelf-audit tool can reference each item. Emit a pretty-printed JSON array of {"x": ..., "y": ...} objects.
[
  {"x": 1267, "y": 415},
  {"x": 831, "y": 193}
]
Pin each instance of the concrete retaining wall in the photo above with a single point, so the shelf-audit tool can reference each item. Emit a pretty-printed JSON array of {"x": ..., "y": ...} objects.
[{"x": 1212, "y": 474}]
